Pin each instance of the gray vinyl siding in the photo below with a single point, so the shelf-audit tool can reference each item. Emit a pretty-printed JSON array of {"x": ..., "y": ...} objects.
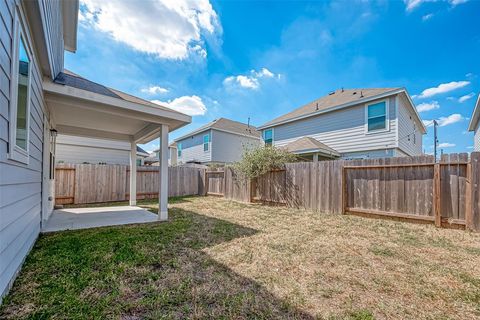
[
  {"x": 407, "y": 125},
  {"x": 192, "y": 149},
  {"x": 20, "y": 184},
  {"x": 385, "y": 153},
  {"x": 343, "y": 130},
  {"x": 476, "y": 138},
  {"x": 229, "y": 147},
  {"x": 72, "y": 149}
]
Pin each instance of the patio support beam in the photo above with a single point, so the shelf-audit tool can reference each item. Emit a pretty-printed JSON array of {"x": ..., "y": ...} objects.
[
  {"x": 133, "y": 173},
  {"x": 315, "y": 157},
  {"x": 163, "y": 158}
]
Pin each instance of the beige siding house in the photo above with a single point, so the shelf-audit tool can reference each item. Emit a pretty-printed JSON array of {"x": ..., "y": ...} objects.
[
  {"x": 475, "y": 124},
  {"x": 38, "y": 98},
  {"x": 220, "y": 141},
  {"x": 353, "y": 123}
]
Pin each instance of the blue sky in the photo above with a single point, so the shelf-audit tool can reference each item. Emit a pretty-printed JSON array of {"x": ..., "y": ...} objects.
[{"x": 262, "y": 59}]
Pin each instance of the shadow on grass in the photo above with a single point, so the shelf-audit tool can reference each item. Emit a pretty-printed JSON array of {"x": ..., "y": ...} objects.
[
  {"x": 153, "y": 201},
  {"x": 137, "y": 272}
]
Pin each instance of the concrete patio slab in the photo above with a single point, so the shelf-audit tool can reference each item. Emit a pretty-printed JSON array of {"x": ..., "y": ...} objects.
[{"x": 84, "y": 218}]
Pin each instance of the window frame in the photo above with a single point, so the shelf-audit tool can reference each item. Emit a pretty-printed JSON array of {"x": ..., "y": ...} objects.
[
  {"x": 16, "y": 152},
  {"x": 387, "y": 117},
  {"x": 179, "y": 150},
  {"x": 263, "y": 136},
  {"x": 206, "y": 144}
]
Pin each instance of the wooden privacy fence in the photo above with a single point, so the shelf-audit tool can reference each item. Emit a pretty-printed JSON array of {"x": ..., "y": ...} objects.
[
  {"x": 408, "y": 188},
  {"x": 90, "y": 183}
]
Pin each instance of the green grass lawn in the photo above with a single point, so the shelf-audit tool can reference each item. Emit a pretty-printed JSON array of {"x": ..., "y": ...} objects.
[{"x": 221, "y": 259}]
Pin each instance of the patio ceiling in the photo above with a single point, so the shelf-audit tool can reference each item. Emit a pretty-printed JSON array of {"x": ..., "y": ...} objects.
[{"x": 84, "y": 108}]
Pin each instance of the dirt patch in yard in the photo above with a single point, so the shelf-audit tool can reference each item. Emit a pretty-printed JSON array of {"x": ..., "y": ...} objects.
[{"x": 222, "y": 259}]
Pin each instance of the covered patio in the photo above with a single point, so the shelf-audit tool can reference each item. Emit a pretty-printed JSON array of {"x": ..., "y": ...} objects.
[
  {"x": 81, "y": 107},
  {"x": 85, "y": 218}
]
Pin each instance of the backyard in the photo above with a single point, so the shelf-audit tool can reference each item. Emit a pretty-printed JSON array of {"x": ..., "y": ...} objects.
[{"x": 221, "y": 259}]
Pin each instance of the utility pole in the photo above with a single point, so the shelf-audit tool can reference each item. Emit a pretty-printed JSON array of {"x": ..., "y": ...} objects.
[{"x": 435, "y": 139}]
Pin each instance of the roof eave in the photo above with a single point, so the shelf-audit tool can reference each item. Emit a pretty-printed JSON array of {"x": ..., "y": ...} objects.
[
  {"x": 338, "y": 107},
  {"x": 475, "y": 116},
  {"x": 70, "y": 24}
]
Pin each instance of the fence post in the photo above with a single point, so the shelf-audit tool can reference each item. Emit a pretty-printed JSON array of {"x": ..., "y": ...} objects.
[
  {"x": 344, "y": 191},
  {"x": 472, "y": 217},
  {"x": 436, "y": 195}
]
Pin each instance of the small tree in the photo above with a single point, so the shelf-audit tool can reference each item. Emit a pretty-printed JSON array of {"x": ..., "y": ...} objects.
[{"x": 258, "y": 161}]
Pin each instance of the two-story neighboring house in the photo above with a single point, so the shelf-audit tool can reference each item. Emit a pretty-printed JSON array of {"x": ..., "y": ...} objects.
[
  {"x": 220, "y": 141},
  {"x": 353, "y": 123},
  {"x": 475, "y": 124},
  {"x": 153, "y": 158}
]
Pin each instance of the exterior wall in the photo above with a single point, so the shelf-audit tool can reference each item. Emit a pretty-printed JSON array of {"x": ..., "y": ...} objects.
[
  {"x": 72, "y": 149},
  {"x": 228, "y": 147},
  {"x": 385, "y": 153},
  {"x": 172, "y": 156},
  {"x": 20, "y": 184},
  {"x": 192, "y": 149},
  {"x": 406, "y": 126},
  {"x": 343, "y": 130},
  {"x": 476, "y": 141}
]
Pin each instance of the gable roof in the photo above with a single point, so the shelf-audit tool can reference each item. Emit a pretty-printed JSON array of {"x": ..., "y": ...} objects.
[
  {"x": 475, "y": 116},
  {"x": 71, "y": 79},
  {"x": 336, "y": 100},
  {"x": 310, "y": 145},
  {"x": 226, "y": 125},
  {"x": 140, "y": 150}
]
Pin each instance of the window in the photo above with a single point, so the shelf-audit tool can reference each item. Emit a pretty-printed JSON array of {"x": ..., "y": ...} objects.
[
  {"x": 20, "y": 97},
  {"x": 377, "y": 116},
  {"x": 268, "y": 137},
  {"x": 206, "y": 141},
  {"x": 179, "y": 149}
]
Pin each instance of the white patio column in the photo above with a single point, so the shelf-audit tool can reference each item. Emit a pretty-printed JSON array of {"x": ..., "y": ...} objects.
[
  {"x": 133, "y": 173},
  {"x": 163, "y": 190},
  {"x": 315, "y": 157}
]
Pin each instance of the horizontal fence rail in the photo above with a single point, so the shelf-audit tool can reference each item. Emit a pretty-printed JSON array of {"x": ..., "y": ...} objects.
[{"x": 445, "y": 193}]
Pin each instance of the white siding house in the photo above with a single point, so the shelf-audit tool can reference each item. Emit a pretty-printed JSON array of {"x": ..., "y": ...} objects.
[
  {"x": 475, "y": 125},
  {"x": 38, "y": 98},
  {"x": 73, "y": 149},
  {"x": 356, "y": 123},
  {"x": 220, "y": 141}
]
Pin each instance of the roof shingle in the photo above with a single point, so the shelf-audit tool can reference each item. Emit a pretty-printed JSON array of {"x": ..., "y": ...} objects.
[{"x": 336, "y": 98}]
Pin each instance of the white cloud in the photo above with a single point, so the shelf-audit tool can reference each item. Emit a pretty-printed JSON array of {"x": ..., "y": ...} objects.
[
  {"x": 453, "y": 118},
  {"x": 427, "y": 17},
  {"x": 250, "y": 81},
  {"x": 444, "y": 121},
  {"x": 470, "y": 147},
  {"x": 446, "y": 145},
  {"x": 443, "y": 88},
  {"x": 457, "y": 2},
  {"x": 191, "y": 105},
  {"x": 166, "y": 29},
  {"x": 413, "y": 4},
  {"x": 427, "y": 106},
  {"x": 464, "y": 98},
  {"x": 155, "y": 90}
]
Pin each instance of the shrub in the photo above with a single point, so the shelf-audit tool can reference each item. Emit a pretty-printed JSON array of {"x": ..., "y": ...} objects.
[{"x": 258, "y": 161}]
